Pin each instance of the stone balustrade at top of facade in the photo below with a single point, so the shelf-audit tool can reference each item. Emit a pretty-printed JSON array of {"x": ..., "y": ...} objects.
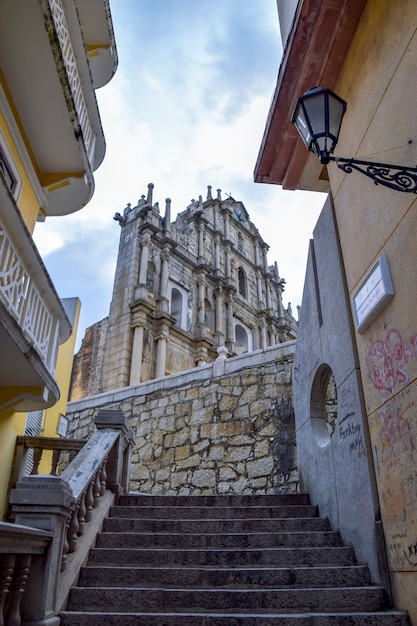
[
  {"x": 225, "y": 427},
  {"x": 57, "y": 519}
]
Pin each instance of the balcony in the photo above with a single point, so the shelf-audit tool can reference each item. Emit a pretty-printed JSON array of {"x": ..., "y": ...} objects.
[
  {"x": 63, "y": 55},
  {"x": 32, "y": 319}
]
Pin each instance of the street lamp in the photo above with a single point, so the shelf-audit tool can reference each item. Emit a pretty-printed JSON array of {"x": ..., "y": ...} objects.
[{"x": 318, "y": 117}]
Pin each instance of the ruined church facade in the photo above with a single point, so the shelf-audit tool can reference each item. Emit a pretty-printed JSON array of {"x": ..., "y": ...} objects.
[{"x": 185, "y": 289}]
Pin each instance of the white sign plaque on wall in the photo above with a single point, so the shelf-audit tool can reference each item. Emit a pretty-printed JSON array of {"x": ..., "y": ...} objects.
[{"x": 373, "y": 294}]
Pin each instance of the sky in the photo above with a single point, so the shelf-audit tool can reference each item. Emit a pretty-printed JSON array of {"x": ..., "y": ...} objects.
[{"x": 186, "y": 108}]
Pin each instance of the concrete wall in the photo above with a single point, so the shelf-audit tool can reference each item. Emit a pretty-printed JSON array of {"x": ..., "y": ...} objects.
[
  {"x": 226, "y": 427},
  {"x": 334, "y": 458}
]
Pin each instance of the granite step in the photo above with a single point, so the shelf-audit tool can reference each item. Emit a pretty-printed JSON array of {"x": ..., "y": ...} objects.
[
  {"x": 209, "y": 526},
  {"x": 215, "y": 512},
  {"x": 223, "y": 561},
  {"x": 211, "y": 577},
  {"x": 235, "y": 500},
  {"x": 223, "y": 557},
  {"x": 218, "y": 540},
  {"x": 344, "y": 599},
  {"x": 388, "y": 618}
]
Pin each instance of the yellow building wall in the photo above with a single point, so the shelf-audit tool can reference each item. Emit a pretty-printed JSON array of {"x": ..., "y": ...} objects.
[
  {"x": 8, "y": 440},
  {"x": 13, "y": 424},
  {"x": 63, "y": 373},
  {"x": 378, "y": 82},
  {"x": 27, "y": 201}
]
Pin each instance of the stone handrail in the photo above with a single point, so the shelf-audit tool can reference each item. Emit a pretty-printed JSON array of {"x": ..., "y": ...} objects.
[
  {"x": 63, "y": 451},
  {"x": 71, "y": 508}
]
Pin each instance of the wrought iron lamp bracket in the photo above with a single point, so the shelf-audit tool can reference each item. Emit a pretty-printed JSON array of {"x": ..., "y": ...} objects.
[{"x": 395, "y": 177}]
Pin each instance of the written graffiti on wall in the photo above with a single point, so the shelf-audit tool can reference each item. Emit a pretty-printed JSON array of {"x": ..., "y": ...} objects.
[
  {"x": 387, "y": 363},
  {"x": 350, "y": 429},
  {"x": 394, "y": 438}
]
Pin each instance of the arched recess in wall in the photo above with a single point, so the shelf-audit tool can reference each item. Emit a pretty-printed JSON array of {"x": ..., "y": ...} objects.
[
  {"x": 323, "y": 405},
  {"x": 176, "y": 306},
  {"x": 242, "y": 339},
  {"x": 241, "y": 282},
  {"x": 208, "y": 314}
]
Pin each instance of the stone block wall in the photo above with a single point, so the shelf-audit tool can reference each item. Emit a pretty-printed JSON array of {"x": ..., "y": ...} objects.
[{"x": 226, "y": 427}]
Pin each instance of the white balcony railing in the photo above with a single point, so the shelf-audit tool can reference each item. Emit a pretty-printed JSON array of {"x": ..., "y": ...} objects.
[
  {"x": 23, "y": 297},
  {"x": 61, "y": 27}
]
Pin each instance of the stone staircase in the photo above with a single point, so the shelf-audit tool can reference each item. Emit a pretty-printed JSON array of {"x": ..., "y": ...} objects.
[{"x": 223, "y": 561}]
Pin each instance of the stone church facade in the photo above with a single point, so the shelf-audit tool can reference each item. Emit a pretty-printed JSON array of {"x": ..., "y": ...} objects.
[{"x": 183, "y": 291}]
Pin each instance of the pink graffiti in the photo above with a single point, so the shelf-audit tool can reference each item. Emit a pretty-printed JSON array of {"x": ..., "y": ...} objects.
[
  {"x": 387, "y": 363},
  {"x": 394, "y": 433}
]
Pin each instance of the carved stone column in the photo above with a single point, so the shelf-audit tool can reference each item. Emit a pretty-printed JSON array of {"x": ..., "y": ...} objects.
[
  {"x": 219, "y": 316},
  {"x": 161, "y": 356},
  {"x": 137, "y": 354},
  {"x": 264, "y": 341},
  {"x": 261, "y": 303},
  {"x": 217, "y": 254},
  {"x": 200, "y": 228},
  {"x": 142, "y": 292},
  {"x": 164, "y": 301}
]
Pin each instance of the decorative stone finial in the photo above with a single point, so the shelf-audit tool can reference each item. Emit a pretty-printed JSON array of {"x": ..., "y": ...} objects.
[
  {"x": 219, "y": 195},
  {"x": 209, "y": 196},
  {"x": 150, "y": 190}
]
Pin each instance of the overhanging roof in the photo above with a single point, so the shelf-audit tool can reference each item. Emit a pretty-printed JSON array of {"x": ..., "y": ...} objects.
[{"x": 314, "y": 55}]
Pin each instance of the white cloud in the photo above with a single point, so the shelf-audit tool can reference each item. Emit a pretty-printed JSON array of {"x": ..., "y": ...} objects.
[{"x": 186, "y": 109}]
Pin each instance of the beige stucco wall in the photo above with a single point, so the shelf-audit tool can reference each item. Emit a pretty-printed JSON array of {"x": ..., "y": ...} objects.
[{"x": 378, "y": 82}]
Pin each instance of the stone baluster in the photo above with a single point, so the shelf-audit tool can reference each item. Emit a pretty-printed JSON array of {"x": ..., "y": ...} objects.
[
  {"x": 55, "y": 461},
  {"x": 89, "y": 502},
  {"x": 103, "y": 479},
  {"x": 73, "y": 528},
  {"x": 7, "y": 562},
  {"x": 37, "y": 455},
  {"x": 17, "y": 589},
  {"x": 81, "y": 515},
  {"x": 96, "y": 489}
]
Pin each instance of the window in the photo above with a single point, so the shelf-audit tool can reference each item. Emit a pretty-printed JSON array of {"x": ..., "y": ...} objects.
[
  {"x": 241, "y": 339},
  {"x": 8, "y": 169},
  {"x": 33, "y": 428},
  {"x": 7, "y": 173},
  {"x": 176, "y": 305},
  {"x": 208, "y": 314}
]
